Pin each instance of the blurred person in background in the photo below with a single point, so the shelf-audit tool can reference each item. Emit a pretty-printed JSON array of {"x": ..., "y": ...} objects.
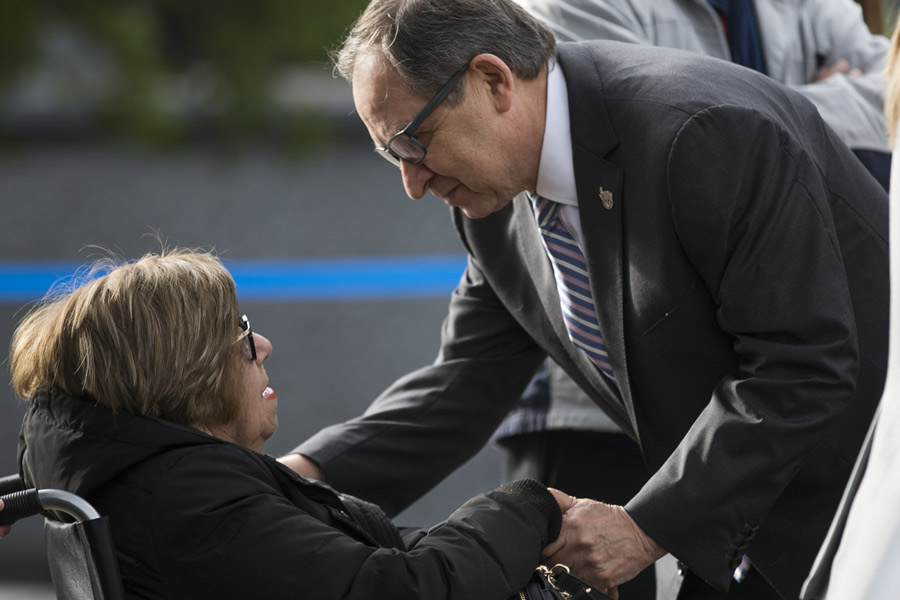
[
  {"x": 861, "y": 555},
  {"x": 148, "y": 396},
  {"x": 821, "y": 48}
]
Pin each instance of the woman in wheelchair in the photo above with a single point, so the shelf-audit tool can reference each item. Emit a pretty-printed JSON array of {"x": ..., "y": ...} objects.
[{"x": 148, "y": 396}]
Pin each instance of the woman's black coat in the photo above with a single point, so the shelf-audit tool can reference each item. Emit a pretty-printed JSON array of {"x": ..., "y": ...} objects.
[{"x": 195, "y": 517}]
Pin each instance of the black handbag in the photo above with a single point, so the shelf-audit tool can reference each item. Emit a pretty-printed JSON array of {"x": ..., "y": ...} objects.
[{"x": 557, "y": 584}]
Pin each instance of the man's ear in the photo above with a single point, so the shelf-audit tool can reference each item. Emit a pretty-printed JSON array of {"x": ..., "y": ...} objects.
[{"x": 494, "y": 75}]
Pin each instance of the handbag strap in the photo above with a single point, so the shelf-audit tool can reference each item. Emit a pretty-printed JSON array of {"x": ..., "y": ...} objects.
[{"x": 572, "y": 587}]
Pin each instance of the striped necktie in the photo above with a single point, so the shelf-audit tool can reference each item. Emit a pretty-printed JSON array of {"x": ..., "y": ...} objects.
[{"x": 572, "y": 284}]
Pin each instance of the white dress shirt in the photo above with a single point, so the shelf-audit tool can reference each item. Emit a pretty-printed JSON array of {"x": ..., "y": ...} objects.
[{"x": 556, "y": 173}]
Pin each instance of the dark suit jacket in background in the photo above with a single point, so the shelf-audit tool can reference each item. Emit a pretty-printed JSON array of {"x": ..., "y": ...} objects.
[{"x": 741, "y": 281}]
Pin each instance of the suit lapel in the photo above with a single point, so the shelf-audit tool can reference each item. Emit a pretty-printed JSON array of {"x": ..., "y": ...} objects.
[
  {"x": 539, "y": 267},
  {"x": 599, "y": 185}
]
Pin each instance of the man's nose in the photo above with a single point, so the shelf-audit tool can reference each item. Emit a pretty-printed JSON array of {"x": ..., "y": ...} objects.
[{"x": 416, "y": 179}]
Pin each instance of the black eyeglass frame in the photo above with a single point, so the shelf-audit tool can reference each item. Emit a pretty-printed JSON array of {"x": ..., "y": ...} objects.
[
  {"x": 247, "y": 333},
  {"x": 394, "y": 157}
]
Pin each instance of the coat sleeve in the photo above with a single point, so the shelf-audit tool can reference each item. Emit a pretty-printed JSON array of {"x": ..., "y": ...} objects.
[
  {"x": 576, "y": 20},
  {"x": 431, "y": 421},
  {"x": 852, "y": 105},
  {"x": 223, "y": 528},
  {"x": 758, "y": 228},
  {"x": 800, "y": 36}
]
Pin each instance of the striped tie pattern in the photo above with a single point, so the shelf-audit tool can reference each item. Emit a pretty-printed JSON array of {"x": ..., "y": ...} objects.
[{"x": 572, "y": 284}]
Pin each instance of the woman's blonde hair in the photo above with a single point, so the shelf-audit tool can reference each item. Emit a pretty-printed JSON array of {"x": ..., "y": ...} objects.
[
  {"x": 892, "y": 77},
  {"x": 152, "y": 337}
]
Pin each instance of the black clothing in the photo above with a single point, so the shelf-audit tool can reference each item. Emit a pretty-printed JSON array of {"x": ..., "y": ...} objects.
[{"x": 196, "y": 517}]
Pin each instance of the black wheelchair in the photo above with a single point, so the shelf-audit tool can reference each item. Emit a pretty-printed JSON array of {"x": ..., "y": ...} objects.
[{"x": 80, "y": 550}]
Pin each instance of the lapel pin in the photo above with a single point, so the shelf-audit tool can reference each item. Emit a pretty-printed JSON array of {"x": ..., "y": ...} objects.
[{"x": 606, "y": 197}]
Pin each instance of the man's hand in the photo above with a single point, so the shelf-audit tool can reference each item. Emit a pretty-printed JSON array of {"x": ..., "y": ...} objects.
[
  {"x": 841, "y": 66},
  {"x": 303, "y": 466},
  {"x": 600, "y": 543}
]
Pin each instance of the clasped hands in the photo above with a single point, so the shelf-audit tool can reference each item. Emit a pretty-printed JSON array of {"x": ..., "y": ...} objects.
[
  {"x": 841, "y": 66},
  {"x": 600, "y": 543}
]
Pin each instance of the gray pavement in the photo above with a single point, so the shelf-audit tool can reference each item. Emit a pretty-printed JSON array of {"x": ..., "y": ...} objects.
[
  {"x": 27, "y": 590},
  {"x": 331, "y": 358}
]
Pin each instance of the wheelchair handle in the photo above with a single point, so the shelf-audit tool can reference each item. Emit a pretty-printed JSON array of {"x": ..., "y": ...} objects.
[
  {"x": 27, "y": 503},
  {"x": 11, "y": 483},
  {"x": 19, "y": 505}
]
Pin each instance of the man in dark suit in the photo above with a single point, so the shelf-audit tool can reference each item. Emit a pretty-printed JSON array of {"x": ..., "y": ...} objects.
[{"x": 736, "y": 262}]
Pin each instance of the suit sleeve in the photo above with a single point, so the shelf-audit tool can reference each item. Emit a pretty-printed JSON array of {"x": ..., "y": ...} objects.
[
  {"x": 757, "y": 226},
  {"x": 431, "y": 421}
]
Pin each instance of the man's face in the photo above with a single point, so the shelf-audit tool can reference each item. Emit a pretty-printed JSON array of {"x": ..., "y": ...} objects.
[{"x": 466, "y": 164}]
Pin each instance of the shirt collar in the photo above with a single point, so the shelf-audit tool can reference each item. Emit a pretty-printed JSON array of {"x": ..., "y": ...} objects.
[{"x": 556, "y": 173}]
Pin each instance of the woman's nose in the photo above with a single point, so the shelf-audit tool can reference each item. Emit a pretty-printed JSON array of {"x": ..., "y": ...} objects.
[{"x": 263, "y": 347}]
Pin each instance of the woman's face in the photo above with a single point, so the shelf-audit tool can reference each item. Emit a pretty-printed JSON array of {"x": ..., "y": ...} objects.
[{"x": 258, "y": 418}]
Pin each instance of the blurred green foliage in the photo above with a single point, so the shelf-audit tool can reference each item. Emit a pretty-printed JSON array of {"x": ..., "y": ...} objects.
[
  {"x": 181, "y": 70},
  {"x": 235, "y": 48}
]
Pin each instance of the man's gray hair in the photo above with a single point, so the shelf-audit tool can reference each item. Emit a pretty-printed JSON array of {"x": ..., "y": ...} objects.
[{"x": 426, "y": 41}]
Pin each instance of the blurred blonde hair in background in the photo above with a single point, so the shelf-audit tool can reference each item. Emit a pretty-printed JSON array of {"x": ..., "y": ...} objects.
[{"x": 892, "y": 77}]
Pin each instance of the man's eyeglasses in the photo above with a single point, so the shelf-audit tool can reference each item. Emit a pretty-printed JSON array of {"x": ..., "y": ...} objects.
[
  {"x": 247, "y": 333},
  {"x": 402, "y": 145}
]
